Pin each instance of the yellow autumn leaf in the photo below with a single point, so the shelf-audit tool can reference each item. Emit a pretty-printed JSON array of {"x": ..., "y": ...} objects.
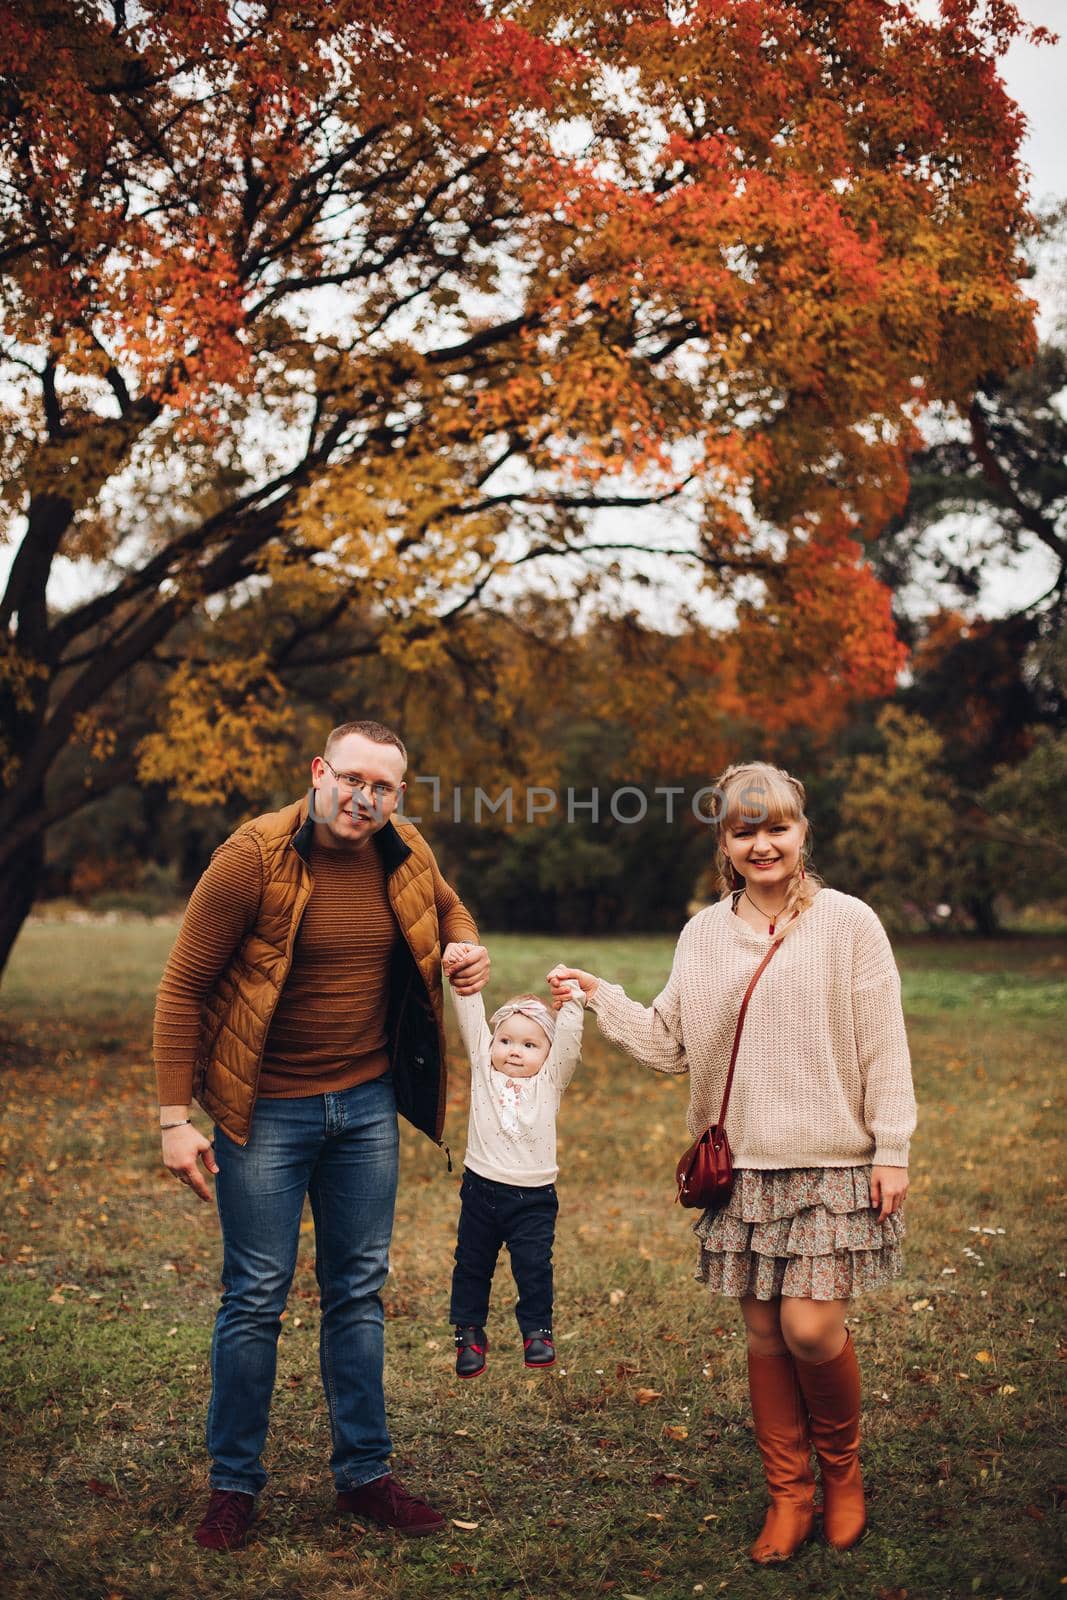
[
  {"x": 674, "y": 1430},
  {"x": 1007, "y": 1388},
  {"x": 468, "y": 1527},
  {"x": 984, "y": 1356}
]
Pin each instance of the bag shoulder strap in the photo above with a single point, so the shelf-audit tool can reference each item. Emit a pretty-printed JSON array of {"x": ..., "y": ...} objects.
[{"x": 756, "y": 976}]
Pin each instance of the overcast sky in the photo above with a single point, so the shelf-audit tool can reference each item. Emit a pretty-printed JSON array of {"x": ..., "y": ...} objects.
[{"x": 1037, "y": 79}]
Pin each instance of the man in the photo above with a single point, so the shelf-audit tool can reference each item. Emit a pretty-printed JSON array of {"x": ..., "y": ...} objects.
[{"x": 302, "y": 1006}]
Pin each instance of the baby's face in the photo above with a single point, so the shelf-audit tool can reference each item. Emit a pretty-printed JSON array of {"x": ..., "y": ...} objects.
[{"x": 520, "y": 1047}]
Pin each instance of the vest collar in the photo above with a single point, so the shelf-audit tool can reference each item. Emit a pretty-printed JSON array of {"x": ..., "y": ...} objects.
[{"x": 388, "y": 843}]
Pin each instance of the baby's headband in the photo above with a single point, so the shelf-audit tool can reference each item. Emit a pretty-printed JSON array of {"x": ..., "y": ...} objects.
[{"x": 536, "y": 1010}]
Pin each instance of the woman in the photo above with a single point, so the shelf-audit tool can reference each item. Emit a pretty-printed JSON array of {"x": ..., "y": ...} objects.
[{"x": 819, "y": 1120}]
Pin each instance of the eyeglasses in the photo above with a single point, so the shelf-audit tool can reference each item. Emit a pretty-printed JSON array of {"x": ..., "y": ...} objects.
[{"x": 352, "y": 780}]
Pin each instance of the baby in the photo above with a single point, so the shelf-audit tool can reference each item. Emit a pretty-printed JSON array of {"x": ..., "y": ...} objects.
[{"x": 520, "y": 1065}]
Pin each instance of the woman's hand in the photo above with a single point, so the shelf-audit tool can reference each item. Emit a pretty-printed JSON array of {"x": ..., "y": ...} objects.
[
  {"x": 889, "y": 1185},
  {"x": 561, "y": 978}
]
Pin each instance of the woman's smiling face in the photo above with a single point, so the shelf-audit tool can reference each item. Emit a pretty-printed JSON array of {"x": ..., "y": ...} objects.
[{"x": 765, "y": 853}]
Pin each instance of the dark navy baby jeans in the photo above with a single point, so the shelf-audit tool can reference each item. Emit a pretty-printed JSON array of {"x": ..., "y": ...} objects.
[{"x": 494, "y": 1214}]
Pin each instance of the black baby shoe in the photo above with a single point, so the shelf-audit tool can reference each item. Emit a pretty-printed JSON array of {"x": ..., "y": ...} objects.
[
  {"x": 538, "y": 1349},
  {"x": 471, "y": 1345}
]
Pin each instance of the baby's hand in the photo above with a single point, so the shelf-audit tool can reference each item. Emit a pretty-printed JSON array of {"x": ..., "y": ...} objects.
[{"x": 454, "y": 956}]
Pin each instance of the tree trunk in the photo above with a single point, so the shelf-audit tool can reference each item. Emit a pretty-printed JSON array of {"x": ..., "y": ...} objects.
[
  {"x": 981, "y": 906},
  {"x": 20, "y": 877}
]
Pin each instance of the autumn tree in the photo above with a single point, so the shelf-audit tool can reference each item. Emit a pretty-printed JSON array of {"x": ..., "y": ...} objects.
[
  {"x": 898, "y": 843},
  {"x": 989, "y": 487},
  {"x": 357, "y": 311},
  {"x": 1024, "y": 822}
]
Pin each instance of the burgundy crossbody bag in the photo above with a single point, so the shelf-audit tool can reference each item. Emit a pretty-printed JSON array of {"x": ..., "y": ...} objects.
[{"x": 705, "y": 1174}]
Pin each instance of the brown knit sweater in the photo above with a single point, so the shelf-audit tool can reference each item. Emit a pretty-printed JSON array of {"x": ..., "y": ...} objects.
[{"x": 328, "y": 1031}]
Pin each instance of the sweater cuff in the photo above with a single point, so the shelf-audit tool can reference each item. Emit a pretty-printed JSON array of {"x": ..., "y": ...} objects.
[
  {"x": 175, "y": 1086},
  {"x": 891, "y": 1156},
  {"x": 605, "y": 999},
  {"x": 459, "y": 927},
  {"x": 607, "y": 1005}
]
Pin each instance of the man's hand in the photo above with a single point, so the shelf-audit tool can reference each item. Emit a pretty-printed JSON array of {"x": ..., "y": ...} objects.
[
  {"x": 182, "y": 1148},
  {"x": 466, "y": 966}
]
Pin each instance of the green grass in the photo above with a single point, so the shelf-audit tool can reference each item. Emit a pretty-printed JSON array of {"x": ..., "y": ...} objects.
[{"x": 108, "y": 1280}]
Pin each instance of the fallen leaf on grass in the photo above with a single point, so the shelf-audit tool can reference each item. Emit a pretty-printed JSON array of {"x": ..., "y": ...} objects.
[
  {"x": 984, "y": 1356},
  {"x": 674, "y": 1430},
  {"x": 645, "y": 1397},
  {"x": 1007, "y": 1388},
  {"x": 106, "y": 1491},
  {"x": 919, "y": 1305},
  {"x": 468, "y": 1527}
]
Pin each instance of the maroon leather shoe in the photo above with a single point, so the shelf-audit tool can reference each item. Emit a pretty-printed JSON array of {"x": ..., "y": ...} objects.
[
  {"x": 385, "y": 1501},
  {"x": 225, "y": 1523}
]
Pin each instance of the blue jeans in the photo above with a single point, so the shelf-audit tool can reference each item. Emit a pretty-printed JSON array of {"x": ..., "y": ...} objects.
[
  {"x": 341, "y": 1150},
  {"x": 493, "y": 1214}
]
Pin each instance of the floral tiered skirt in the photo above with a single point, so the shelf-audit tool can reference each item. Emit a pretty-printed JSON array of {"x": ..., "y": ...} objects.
[{"x": 804, "y": 1231}]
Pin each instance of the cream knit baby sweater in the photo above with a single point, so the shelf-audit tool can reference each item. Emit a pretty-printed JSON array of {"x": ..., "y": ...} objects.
[{"x": 823, "y": 1076}]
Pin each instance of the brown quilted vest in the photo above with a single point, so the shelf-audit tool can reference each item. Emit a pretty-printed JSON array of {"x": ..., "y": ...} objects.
[{"x": 236, "y": 1016}]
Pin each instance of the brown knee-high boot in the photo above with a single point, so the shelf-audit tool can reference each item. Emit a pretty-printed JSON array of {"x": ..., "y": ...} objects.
[
  {"x": 831, "y": 1391},
  {"x": 782, "y": 1435}
]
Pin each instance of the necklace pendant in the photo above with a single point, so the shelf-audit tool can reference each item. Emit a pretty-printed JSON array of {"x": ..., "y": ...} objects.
[{"x": 770, "y": 930}]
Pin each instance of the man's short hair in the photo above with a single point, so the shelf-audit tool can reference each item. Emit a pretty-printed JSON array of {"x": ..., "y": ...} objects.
[{"x": 376, "y": 732}]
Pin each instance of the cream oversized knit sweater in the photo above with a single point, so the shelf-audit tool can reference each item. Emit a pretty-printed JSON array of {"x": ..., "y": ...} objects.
[{"x": 823, "y": 1075}]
